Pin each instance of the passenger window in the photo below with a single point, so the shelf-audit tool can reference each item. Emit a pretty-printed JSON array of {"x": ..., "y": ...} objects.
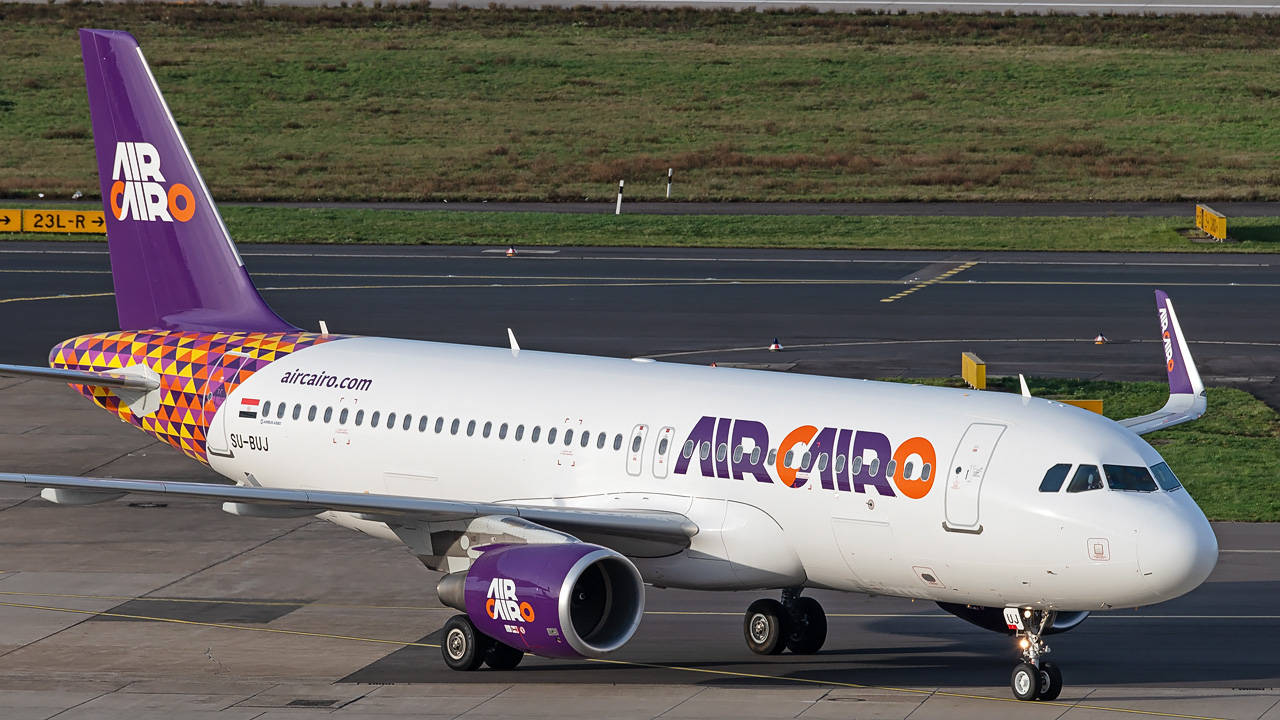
[
  {"x": 704, "y": 452},
  {"x": 786, "y": 459},
  {"x": 737, "y": 454},
  {"x": 311, "y": 414},
  {"x": 502, "y": 432},
  {"x": 328, "y": 414},
  {"x": 391, "y": 421},
  {"x": 533, "y": 436},
  {"x": 471, "y": 428},
  {"x": 600, "y": 442},
  {"x": 662, "y": 446},
  {"x": 822, "y": 462},
  {"x": 875, "y": 467},
  {"x": 805, "y": 460},
  {"x": 586, "y": 439},
  {"x": 721, "y": 452},
  {"x": 422, "y": 424},
  {"x": 1134, "y": 478},
  {"x": 519, "y": 432},
  {"x": 890, "y": 468},
  {"x": 551, "y": 435},
  {"x": 568, "y": 438},
  {"x": 408, "y": 422},
  {"x": 266, "y": 408},
  {"x": 839, "y": 468},
  {"x": 280, "y": 410},
  {"x": 453, "y": 429},
  {"x": 1053, "y": 479},
  {"x": 755, "y": 456},
  {"x": 637, "y": 441},
  {"x": 1086, "y": 478},
  {"x": 1168, "y": 481},
  {"x": 925, "y": 472},
  {"x": 374, "y": 418},
  {"x": 488, "y": 428},
  {"x": 773, "y": 456},
  {"x": 297, "y": 411},
  {"x": 439, "y": 425},
  {"x": 342, "y": 416},
  {"x": 359, "y": 417},
  {"x": 857, "y": 465},
  {"x": 617, "y": 442}
]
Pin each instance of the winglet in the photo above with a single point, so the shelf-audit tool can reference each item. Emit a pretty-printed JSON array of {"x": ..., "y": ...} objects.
[{"x": 1186, "y": 391}]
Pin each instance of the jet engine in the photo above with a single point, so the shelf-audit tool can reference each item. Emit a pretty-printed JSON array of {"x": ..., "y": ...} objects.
[
  {"x": 992, "y": 618},
  {"x": 562, "y": 600}
]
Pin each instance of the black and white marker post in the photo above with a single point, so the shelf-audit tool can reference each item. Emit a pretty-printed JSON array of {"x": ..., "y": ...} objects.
[
  {"x": 618, "y": 210},
  {"x": 670, "y": 173}
]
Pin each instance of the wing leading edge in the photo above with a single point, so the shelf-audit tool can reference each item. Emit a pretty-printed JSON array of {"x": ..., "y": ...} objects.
[
  {"x": 669, "y": 529},
  {"x": 1186, "y": 391}
]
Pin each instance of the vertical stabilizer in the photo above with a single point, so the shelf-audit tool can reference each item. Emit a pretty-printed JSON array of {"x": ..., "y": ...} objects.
[{"x": 172, "y": 259}]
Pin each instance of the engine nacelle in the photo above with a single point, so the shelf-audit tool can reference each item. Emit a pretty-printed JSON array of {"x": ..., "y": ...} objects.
[
  {"x": 993, "y": 618},
  {"x": 564, "y": 600}
]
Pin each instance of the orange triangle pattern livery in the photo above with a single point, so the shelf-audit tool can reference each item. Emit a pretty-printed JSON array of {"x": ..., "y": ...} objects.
[{"x": 197, "y": 372}]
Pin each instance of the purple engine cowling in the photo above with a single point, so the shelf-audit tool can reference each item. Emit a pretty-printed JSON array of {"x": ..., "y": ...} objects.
[{"x": 562, "y": 601}]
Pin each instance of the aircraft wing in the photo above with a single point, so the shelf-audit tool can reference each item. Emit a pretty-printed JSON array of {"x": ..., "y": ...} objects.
[
  {"x": 138, "y": 377},
  {"x": 1186, "y": 391},
  {"x": 667, "y": 529}
]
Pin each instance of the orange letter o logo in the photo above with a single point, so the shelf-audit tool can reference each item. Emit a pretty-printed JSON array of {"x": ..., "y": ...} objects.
[
  {"x": 117, "y": 190},
  {"x": 526, "y": 611},
  {"x": 188, "y": 209},
  {"x": 488, "y": 608},
  {"x": 914, "y": 489}
]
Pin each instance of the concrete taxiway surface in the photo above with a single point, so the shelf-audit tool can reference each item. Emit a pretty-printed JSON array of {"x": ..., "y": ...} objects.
[{"x": 138, "y": 609}]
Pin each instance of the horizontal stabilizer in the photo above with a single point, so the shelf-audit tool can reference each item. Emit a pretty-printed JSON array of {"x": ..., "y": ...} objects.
[
  {"x": 127, "y": 379},
  {"x": 1186, "y": 391},
  {"x": 670, "y": 529}
]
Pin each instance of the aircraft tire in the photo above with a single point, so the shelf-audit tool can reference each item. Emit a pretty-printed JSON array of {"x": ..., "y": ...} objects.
[
  {"x": 1050, "y": 682},
  {"x": 766, "y": 627},
  {"x": 463, "y": 646},
  {"x": 502, "y": 656},
  {"x": 1025, "y": 681},
  {"x": 810, "y": 627}
]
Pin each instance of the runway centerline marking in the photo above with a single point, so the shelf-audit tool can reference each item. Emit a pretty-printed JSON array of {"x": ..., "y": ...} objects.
[
  {"x": 625, "y": 663},
  {"x": 931, "y": 281}
]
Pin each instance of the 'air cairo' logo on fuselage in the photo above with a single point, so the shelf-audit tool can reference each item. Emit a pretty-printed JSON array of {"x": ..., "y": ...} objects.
[
  {"x": 137, "y": 193},
  {"x": 1164, "y": 336},
  {"x": 840, "y": 459}
]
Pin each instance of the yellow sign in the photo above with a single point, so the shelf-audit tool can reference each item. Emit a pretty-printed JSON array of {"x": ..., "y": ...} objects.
[
  {"x": 974, "y": 371},
  {"x": 63, "y": 221},
  {"x": 1090, "y": 405},
  {"x": 1211, "y": 221},
  {"x": 10, "y": 220}
]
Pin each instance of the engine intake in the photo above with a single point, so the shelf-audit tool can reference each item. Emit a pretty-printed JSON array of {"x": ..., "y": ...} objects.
[{"x": 563, "y": 600}]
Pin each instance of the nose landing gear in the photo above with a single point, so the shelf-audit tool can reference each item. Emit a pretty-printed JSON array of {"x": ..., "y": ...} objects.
[
  {"x": 1034, "y": 678},
  {"x": 798, "y": 624}
]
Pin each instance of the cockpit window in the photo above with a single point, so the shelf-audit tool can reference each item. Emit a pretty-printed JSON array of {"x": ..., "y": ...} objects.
[
  {"x": 1129, "y": 477},
  {"x": 1168, "y": 481},
  {"x": 1086, "y": 478},
  {"x": 1053, "y": 479}
]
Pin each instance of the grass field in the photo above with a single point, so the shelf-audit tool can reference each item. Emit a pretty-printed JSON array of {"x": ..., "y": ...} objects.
[
  {"x": 1226, "y": 460},
  {"x": 289, "y": 225},
  {"x": 412, "y": 102}
]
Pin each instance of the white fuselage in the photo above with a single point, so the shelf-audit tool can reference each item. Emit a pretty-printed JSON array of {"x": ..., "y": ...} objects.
[{"x": 981, "y": 531}]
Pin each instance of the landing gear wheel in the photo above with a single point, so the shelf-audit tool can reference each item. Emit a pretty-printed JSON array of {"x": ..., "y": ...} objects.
[
  {"x": 1025, "y": 681},
  {"x": 809, "y": 629},
  {"x": 766, "y": 627},
  {"x": 1050, "y": 682},
  {"x": 464, "y": 647},
  {"x": 502, "y": 656}
]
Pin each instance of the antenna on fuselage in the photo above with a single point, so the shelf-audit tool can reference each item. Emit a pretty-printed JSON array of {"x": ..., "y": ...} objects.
[
  {"x": 1026, "y": 391},
  {"x": 515, "y": 346}
]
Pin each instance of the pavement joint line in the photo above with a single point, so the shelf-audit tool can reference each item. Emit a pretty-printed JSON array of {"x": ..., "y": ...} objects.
[
  {"x": 926, "y": 283},
  {"x": 726, "y": 673}
]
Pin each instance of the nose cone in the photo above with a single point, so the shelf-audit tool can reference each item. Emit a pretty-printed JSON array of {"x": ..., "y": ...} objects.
[{"x": 1176, "y": 548}]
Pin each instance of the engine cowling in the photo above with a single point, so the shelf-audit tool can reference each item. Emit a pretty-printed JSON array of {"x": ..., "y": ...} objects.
[
  {"x": 992, "y": 619},
  {"x": 563, "y": 600}
]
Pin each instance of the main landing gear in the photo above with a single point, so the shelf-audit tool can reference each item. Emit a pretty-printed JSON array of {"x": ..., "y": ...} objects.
[
  {"x": 796, "y": 623},
  {"x": 466, "y": 648},
  {"x": 1034, "y": 678}
]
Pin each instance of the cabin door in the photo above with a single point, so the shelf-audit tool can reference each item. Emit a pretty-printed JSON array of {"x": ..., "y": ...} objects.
[{"x": 965, "y": 475}]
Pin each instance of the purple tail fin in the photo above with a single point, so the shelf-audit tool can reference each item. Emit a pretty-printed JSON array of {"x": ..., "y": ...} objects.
[
  {"x": 172, "y": 259},
  {"x": 1184, "y": 378}
]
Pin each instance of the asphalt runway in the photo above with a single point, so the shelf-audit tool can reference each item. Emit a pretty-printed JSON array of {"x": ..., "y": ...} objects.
[
  {"x": 1065, "y": 7},
  {"x": 134, "y": 610}
]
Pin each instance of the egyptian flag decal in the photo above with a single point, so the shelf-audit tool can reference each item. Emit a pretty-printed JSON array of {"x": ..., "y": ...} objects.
[{"x": 249, "y": 408}]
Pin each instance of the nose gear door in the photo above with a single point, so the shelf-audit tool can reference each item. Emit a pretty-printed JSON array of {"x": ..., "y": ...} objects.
[{"x": 965, "y": 475}]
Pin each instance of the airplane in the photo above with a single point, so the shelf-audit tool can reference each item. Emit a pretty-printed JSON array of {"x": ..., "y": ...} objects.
[{"x": 551, "y": 489}]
